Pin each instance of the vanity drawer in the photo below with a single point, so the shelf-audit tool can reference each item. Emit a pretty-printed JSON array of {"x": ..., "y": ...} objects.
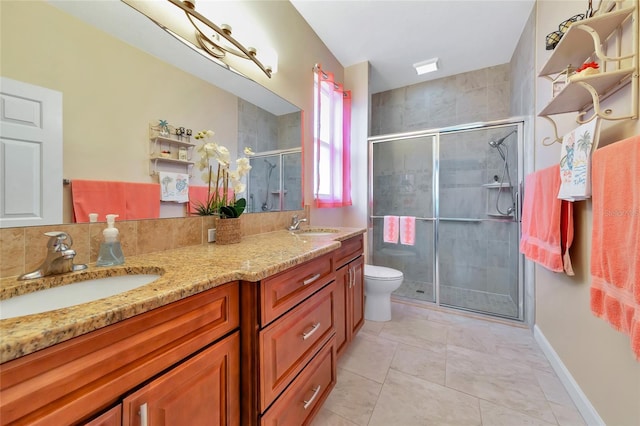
[
  {"x": 349, "y": 250},
  {"x": 283, "y": 291},
  {"x": 300, "y": 402},
  {"x": 287, "y": 345}
]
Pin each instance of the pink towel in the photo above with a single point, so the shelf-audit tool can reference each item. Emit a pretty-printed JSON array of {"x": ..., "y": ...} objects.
[
  {"x": 547, "y": 224},
  {"x": 390, "y": 230},
  {"x": 142, "y": 200},
  {"x": 615, "y": 246},
  {"x": 197, "y": 196},
  {"x": 95, "y": 196},
  {"x": 408, "y": 230}
]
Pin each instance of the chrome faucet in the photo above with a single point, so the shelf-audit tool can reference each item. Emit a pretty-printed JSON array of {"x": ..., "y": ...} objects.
[
  {"x": 295, "y": 223},
  {"x": 59, "y": 258}
]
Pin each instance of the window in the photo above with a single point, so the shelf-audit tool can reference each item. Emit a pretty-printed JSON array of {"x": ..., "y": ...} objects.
[{"x": 332, "y": 140}]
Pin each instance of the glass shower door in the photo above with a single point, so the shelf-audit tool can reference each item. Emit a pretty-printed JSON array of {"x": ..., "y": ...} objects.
[
  {"x": 402, "y": 185},
  {"x": 478, "y": 221}
]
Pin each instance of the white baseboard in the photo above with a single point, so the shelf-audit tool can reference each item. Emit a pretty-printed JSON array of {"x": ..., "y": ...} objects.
[{"x": 588, "y": 412}]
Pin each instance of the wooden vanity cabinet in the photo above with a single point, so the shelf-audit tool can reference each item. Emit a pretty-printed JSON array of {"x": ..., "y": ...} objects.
[
  {"x": 349, "y": 261},
  {"x": 155, "y": 352},
  {"x": 288, "y": 358}
]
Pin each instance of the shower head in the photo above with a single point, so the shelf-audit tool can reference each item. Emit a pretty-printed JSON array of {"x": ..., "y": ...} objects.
[
  {"x": 497, "y": 143},
  {"x": 271, "y": 165}
]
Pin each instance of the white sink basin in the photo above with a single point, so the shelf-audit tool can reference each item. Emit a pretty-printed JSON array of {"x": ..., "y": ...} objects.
[{"x": 71, "y": 294}]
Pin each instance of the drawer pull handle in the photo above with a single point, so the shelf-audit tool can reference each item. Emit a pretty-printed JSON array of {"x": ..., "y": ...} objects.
[
  {"x": 143, "y": 415},
  {"x": 307, "y": 403},
  {"x": 315, "y": 328},
  {"x": 310, "y": 280}
]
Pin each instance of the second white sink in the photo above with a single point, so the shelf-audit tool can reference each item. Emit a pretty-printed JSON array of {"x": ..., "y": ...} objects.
[{"x": 71, "y": 294}]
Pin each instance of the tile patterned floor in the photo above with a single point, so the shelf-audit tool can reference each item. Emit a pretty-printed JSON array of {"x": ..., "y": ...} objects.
[{"x": 436, "y": 367}]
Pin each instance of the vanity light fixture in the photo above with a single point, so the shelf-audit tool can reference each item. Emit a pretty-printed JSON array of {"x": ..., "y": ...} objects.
[
  {"x": 196, "y": 30},
  {"x": 430, "y": 65}
]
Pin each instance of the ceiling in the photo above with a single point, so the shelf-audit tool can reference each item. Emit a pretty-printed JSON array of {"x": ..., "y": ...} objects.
[{"x": 393, "y": 35}]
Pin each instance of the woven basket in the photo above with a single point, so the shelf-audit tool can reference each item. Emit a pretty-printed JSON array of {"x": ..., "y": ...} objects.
[{"x": 228, "y": 231}]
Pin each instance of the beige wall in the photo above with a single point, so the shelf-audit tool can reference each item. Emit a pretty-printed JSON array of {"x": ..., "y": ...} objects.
[
  {"x": 112, "y": 91},
  {"x": 598, "y": 357}
]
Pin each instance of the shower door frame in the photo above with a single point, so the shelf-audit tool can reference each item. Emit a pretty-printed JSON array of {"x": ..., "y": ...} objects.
[
  {"x": 519, "y": 122},
  {"x": 280, "y": 153}
]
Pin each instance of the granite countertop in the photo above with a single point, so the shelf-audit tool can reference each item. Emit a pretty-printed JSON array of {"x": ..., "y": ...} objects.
[{"x": 185, "y": 272}]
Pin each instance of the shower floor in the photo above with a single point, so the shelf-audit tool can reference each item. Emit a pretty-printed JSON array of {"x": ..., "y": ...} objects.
[{"x": 480, "y": 301}]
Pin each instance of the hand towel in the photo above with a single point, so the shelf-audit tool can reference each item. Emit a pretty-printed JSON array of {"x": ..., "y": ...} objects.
[
  {"x": 96, "y": 196},
  {"x": 575, "y": 161},
  {"x": 408, "y": 230},
  {"x": 547, "y": 233},
  {"x": 142, "y": 201},
  {"x": 197, "y": 197},
  {"x": 174, "y": 187},
  {"x": 615, "y": 245},
  {"x": 390, "y": 229}
]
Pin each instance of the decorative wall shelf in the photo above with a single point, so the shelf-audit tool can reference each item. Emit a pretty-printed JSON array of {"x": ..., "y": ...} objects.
[
  {"x": 584, "y": 41},
  {"x": 172, "y": 144}
]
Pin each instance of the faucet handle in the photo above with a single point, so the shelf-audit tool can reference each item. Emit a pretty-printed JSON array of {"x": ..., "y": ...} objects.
[{"x": 57, "y": 241}]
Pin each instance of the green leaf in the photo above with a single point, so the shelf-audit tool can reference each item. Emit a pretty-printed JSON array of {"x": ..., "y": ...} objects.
[
  {"x": 228, "y": 212},
  {"x": 240, "y": 205}
]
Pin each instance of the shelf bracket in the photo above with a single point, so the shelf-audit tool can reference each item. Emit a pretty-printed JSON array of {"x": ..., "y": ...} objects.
[
  {"x": 555, "y": 132},
  {"x": 598, "y": 44},
  {"x": 597, "y": 111}
]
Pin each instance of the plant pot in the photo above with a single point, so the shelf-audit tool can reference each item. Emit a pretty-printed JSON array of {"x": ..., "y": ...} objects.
[{"x": 228, "y": 231}]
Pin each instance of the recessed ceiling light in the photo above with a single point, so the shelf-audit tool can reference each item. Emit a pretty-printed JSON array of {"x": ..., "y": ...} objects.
[{"x": 424, "y": 67}]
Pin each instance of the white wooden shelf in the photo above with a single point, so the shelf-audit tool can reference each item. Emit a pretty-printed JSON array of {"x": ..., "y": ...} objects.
[
  {"x": 585, "y": 40},
  {"x": 172, "y": 141},
  {"x": 577, "y": 44},
  {"x": 574, "y": 96},
  {"x": 171, "y": 160}
]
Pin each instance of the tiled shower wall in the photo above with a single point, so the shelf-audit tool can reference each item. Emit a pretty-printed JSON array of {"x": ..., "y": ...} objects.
[{"x": 479, "y": 95}]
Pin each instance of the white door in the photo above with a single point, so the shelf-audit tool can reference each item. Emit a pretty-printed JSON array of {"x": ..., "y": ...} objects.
[{"x": 30, "y": 155}]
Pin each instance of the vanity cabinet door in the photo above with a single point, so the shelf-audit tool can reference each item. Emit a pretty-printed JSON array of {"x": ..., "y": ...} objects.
[
  {"x": 204, "y": 390},
  {"x": 350, "y": 302},
  {"x": 113, "y": 417}
]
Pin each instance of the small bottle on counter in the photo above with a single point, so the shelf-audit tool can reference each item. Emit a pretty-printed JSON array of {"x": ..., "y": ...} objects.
[{"x": 110, "y": 250}]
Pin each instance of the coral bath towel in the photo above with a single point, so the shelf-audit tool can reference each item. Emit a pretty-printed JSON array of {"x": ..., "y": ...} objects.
[
  {"x": 96, "y": 196},
  {"x": 615, "y": 245},
  {"x": 142, "y": 200},
  {"x": 547, "y": 222},
  {"x": 407, "y": 230},
  {"x": 390, "y": 229}
]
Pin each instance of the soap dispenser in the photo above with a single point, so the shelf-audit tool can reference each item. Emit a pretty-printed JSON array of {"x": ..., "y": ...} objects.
[{"x": 110, "y": 249}]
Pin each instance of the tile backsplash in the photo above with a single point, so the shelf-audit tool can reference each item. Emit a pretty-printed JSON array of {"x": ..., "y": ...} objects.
[{"x": 23, "y": 249}]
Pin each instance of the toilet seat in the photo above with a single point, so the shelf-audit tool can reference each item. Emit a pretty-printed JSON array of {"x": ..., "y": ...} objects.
[{"x": 381, "y": 273}]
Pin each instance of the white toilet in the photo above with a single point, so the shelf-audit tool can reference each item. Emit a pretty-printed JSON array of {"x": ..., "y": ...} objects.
[{"x": 379, "y": 283}]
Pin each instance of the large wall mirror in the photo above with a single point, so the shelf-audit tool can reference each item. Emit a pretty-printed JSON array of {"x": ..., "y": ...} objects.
[{"x": 119, "y": 73}]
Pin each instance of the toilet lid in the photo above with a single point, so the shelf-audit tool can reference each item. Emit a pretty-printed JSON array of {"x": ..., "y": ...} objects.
[{"x": 381, "y": 272}]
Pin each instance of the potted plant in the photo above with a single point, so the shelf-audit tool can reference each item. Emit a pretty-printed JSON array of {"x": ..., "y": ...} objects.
[{"x": 224, "y": 185}]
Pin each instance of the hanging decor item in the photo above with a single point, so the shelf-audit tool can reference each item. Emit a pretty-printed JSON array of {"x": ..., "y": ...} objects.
[{"x": 554, "y": 38}]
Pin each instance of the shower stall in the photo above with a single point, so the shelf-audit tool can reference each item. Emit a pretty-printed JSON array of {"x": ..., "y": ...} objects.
[
  {"x": 275, "y": 182},
  {"x": 463, "y": 186}
]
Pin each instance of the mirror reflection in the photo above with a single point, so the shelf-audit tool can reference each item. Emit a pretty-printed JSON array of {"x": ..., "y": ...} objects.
[{"x": 113, "y": 92}]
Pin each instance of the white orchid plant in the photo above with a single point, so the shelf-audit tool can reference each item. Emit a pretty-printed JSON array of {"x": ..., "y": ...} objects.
[{"x": 218, "y": 201}]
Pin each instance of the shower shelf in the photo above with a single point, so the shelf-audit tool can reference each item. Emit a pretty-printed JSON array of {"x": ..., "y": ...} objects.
[{"x": 497, "y": 185}]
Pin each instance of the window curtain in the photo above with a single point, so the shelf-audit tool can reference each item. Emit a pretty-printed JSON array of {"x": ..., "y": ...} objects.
[{"x": 332, "y": 141}]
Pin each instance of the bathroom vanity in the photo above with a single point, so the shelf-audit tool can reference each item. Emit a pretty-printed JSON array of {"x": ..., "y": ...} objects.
[{"x": 253, "y": 343}]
